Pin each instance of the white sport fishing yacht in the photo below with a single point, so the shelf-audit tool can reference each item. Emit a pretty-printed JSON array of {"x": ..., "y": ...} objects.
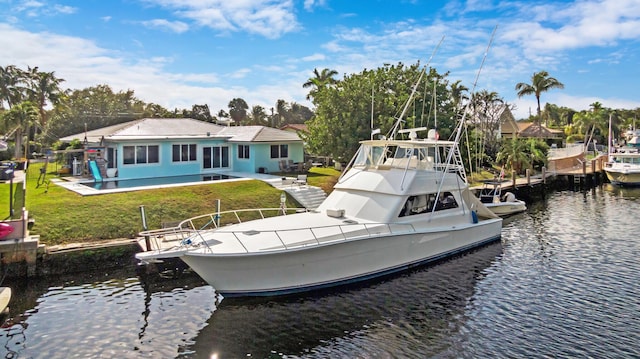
[{"x": 401, "y": 202}]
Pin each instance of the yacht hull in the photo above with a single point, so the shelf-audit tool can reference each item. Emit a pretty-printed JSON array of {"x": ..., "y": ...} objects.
[
  {"x": 335, "y": 263},
  {"x": 507, "y": 208},
  {"x": 624, "y": 178}
]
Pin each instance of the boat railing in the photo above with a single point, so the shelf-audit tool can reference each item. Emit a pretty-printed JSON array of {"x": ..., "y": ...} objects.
[
  {"x": 185, "y": 232},
  {"x": 285, "y": 239},
  {"x": 191, "y": 232}
]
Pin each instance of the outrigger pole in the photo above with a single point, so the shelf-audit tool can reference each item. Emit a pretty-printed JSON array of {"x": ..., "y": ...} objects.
[
  {"x": 464, "y": 115},
  {"x": 473, "y": 89},
  {"x": 393, "y": 132}
]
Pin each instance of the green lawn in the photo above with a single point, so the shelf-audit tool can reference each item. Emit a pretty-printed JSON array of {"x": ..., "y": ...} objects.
[{"x": 62, "y": 216}]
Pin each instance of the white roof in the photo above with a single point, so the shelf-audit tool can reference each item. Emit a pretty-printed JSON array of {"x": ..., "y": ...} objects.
[{"x": 181, "y": 128}]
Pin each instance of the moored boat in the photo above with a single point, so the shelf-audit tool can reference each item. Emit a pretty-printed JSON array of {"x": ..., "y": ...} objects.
[
  {"x": 623, "y": 163},
  {"x": 502, "y": 204},
  {"x": 401, "y": 202},
  {"x": 623, "y": 167}
]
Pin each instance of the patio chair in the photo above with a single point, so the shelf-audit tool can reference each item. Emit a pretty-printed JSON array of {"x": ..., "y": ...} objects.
[
  {"x": 301, "y": 180},
  {"x": 283, "y": 166}
]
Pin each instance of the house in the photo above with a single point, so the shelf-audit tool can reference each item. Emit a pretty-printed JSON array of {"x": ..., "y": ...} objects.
[
  {"x": 538, "y": 130},
  {"x": 295, "y": 127},
  {"x": 508, "y": 125},
  {"x": 157, "y": 147}
]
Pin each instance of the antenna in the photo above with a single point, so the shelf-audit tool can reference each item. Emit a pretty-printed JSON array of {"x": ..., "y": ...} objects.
[
  {"x": 464, "y": 113},
  {"x": 393, "y": 132},
  {"x": 372, "y": 130}
]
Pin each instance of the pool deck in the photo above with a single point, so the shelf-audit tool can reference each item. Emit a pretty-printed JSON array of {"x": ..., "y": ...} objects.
[{"x": 76, "y": 184}]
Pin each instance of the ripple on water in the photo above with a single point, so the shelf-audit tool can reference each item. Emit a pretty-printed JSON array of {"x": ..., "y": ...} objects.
[
  {"x": 565, "y": 286},
  {"x": 562, "y": 283}
]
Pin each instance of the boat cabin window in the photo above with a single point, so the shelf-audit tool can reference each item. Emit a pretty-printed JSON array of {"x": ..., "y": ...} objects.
[
  {"x": 425, "y": 203},
  {"x": 630, "y": 160},
  {"x": 369, "y": 156}
]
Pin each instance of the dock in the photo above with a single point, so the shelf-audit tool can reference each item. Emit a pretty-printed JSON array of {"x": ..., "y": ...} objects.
[
  {"x": 580, "y": 171},
  {"x": 565, "y": 172}
]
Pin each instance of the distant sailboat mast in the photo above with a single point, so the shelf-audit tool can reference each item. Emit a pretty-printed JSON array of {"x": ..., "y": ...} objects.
[{"x": 609, "y": 143}]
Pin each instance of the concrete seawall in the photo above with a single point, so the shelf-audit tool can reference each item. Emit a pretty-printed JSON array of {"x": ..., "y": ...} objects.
[{"x": 75, "y": 258}]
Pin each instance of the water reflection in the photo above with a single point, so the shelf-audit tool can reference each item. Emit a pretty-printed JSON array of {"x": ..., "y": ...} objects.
[
  {"x": 399, "y": 316},
  {"x": 117, "y": 315},
  {"x": 561, "y": 283},
  {"x": 110, "y": 315},
  {"x": 622, "y": 192}
]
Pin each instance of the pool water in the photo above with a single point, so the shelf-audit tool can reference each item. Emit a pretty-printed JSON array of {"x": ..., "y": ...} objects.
[{"x": 155, "y": 181}]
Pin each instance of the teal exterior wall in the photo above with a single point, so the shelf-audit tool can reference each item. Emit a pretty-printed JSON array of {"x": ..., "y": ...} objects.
[
  {"x": 259, "y": 157},
  {"x": 262, "y": 154}
]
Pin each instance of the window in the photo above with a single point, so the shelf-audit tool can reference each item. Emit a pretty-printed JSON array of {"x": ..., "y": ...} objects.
[
  {"x": 215, "y": 157},
  {"x": 243, "y": 151},
  {"x": 184, "y": 153},
  {"x": 279, "y": 151},
  {"x": 425, "y": 203},
  {"x": 140, "y": 154}
]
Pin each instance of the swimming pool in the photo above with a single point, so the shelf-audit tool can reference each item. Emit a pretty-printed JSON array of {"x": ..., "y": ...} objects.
[{"x": 155, "y": 181}]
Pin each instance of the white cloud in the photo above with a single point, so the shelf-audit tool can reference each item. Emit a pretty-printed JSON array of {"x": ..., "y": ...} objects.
[
  {"x": 173, "y": 26},
  {"x": 314, "y": 57},
  {"x": 83, "y": 64},
  {"x": 310, "y": 4},
  {"x": 34, "y": 8},
  {"x": 563, "y": 26},
  {"x": 513, "y": 57},
  {"x": 268, "y": 18},
  {"x": 241, "y": 73},
  {"x": 63, "y": 9}
]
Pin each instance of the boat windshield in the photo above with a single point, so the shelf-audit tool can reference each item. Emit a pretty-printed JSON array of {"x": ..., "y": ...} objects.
[
  {"x": 403, "y": 156},
  {"x": 370, "y": 156}
]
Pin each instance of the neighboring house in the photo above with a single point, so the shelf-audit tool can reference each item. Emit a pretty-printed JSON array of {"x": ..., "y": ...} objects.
[
  {"x": 533, "y": 130},
  {"x": 157, "y": 147},
  {"x": 508, "y": 125},
  {"x": 295, "y": 127}
]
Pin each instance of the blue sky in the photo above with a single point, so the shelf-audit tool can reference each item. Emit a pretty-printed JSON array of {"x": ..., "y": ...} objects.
[{"x": 182, "y": 52}]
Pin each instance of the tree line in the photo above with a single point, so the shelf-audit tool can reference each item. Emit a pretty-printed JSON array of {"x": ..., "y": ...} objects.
[
  {"x": 349, "y": 109},
  {"x": 36, "y": 111}
]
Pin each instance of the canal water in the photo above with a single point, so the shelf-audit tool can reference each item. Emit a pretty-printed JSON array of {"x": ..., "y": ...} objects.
[{"x": 563, "y": 282}]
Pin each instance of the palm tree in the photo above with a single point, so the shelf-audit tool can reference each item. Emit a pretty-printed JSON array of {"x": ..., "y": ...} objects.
[
  {"x": 537, "y": 149},
  {"x": 45, "y": 89},
  {"x": 11, "y": 90},
  {"x": 238, "y": 110},
  {"x": 513, "y": 155},
  {"x": 258, "y": 115},
  {"x": 20, "y": 117},
  {"x": 282, "y": 109},
  {"x": 319, "y": 81},
  {"x": 458, "y": 93},
  {"x": 540, "y": 82}
]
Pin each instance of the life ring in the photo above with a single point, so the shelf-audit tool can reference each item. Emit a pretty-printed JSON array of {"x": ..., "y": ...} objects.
[{"x": 5, "y": 230}]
